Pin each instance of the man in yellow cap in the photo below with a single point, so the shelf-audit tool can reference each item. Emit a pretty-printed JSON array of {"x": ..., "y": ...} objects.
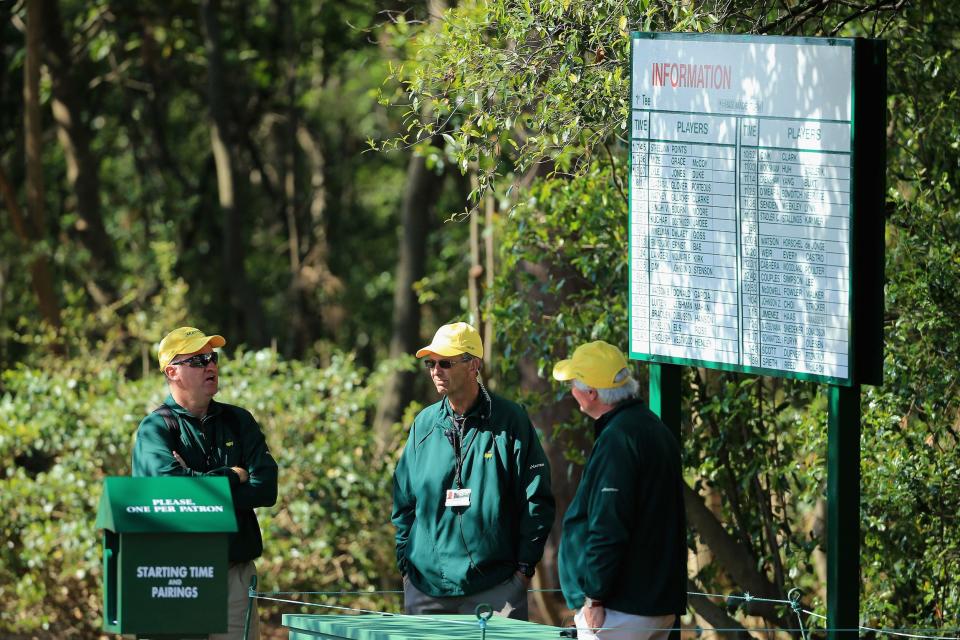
[
  {"x": 193, "y": 435},
  {"x": 471, "y": 494},
  {"x": 623, "y": 550}
]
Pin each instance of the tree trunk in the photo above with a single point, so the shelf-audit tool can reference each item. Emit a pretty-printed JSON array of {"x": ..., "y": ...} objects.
[
  {"x": 287, "y": 144},
  {"x": 716, "y": 617},
  {"x": 419, "y": 203},
  {"x": 243, "y": 315},
  {"x": 41, "y": 276},
  {"x": 736, "y": 560},
  {"x": 314, "y": 271},
  {"x": 33, "y": 231},
  {"x": 83, "y": 166}
]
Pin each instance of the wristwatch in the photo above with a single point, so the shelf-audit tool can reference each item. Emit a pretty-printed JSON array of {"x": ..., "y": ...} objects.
[
  {"x": 590, "y": 603},
  {"x": 526, "y": 569}
]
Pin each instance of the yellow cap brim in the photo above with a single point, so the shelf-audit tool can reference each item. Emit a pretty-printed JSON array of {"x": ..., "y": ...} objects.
[
  {"x": 195, "y": 344},
  {"x": 439, "y": 350},
  {"x": 563, "y": 371}
]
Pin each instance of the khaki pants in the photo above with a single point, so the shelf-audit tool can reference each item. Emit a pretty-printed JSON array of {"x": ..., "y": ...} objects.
[
  {"x": 238, "y": 598},
  {"x": 508, "y": 599},
  {"x": 624, "y": 626}
]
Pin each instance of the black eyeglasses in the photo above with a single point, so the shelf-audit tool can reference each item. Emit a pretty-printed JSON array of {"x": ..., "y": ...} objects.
[
  {"x": 443, "y": 364},
  {"x": 200, "y": 360}
]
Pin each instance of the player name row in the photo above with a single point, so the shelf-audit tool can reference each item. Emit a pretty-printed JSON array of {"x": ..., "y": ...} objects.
[
  {"x": 657, "y": 151},
  {"x": 750, "y": 234},
  {"x": 722, "y": 332},
  {"x": 813, "y": 312},
  {"x": 750, "y": 173},
  {"x": 788, "y": 135},
  {"x": 717, "y": 254},
  {"x": 755, "y": 361},
  {"x": 750, "y": 231},
  {"x": 829, "y": 167},
  {"x": 776, "y": 357},
  {"x": 826, "y": 290},
  {"x": 751, "y": 240},
  {"x": 832, "y": 316},
  {"x": 681, "y": 291},
  {"x": 791, "y": 330},
  {"x": 644, "y": 224},
  {"x": 655, "y": 306},
  {"x": 652, "y": 188},
  {"x": 747, "y": 177},
  {"x": 690, "y": 276},
  {"x": 640, "y": 199},
  {"x": 642, "y": 208},
  {"x": 821, "y": 313}
]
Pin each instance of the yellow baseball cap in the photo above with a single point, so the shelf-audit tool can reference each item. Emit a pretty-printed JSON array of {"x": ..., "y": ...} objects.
[
  {"x": 595, "y": 364},
  {"x": 454, "y": 339},
  {"x": 185, "y": 340}
]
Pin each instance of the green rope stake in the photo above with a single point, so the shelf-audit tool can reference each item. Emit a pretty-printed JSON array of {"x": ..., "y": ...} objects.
[
  {"x": 484, "y": 612},
  {"x": 252, "y": 593}
]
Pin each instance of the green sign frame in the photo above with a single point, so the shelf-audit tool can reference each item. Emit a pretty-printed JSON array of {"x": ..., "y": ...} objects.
[{"x": 866, "y": 205}]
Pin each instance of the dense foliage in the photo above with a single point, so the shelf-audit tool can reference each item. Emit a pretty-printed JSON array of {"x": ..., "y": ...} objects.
[
  {"x": 535, "y": 93},
  {"x": 278, "y": 230},
  {"x": 65, "y": 430}
]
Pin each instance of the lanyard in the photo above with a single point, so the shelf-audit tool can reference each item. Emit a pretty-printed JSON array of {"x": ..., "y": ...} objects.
[{"x": 455, "y": 438}]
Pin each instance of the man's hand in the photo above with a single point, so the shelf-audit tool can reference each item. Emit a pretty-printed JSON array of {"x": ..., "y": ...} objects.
[
  {"x": 594, "y": 615},
  {"x": 176, "y": 456},
  {"x": 241, "y": 473}
]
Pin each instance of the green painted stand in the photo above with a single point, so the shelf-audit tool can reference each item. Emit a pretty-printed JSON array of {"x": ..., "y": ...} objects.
[{"x": 396, "y": 627}]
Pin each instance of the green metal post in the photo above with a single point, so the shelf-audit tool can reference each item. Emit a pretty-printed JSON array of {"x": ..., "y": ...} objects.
[
  {"x": 843, "y": 513},
  {"x": 665, "y": 401},
  {"x": 665, "y": 394}
]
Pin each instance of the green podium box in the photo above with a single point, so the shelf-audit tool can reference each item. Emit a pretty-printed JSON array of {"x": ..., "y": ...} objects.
[{"x": 165, "y": 555}]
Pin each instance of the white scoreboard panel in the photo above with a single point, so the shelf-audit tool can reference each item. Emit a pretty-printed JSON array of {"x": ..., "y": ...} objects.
[{"x": 740, "y": 204}]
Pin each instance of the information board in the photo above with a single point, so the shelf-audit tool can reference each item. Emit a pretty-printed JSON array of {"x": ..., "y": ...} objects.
[{"x": 741, "y": 203}]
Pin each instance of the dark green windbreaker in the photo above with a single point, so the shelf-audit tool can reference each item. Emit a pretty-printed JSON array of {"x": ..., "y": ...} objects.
[
  {"x": 624, "y": 534},
  {"x": 235, "y": 441},
  {"x": 452, "y": 551}
]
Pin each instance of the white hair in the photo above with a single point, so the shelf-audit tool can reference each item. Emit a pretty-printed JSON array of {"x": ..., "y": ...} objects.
[{"x": 614, "y": 395}]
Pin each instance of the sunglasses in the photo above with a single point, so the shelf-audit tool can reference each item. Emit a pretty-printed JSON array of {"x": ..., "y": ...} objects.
[
  {"x": 443, "y": 364},
  {"x": 200, "y": 360}
]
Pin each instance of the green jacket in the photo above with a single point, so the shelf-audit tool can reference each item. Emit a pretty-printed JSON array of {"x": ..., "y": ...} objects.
[
  {"x": 235, "y": 441},
  {"x": 452, "y": 551},
  {"x": 624, "y": 535}
]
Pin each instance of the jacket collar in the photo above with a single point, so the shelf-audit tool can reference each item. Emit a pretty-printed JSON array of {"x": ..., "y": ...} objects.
[
  {"x": 605, "y": 419},
  {"x": 446, "y": 411},
  {"x": 212, "y": 410},
  {"x": 444, "y": 417}
]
